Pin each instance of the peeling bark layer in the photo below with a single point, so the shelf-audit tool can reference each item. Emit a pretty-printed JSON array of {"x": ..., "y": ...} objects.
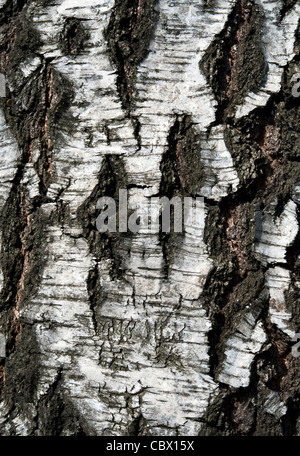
[{"x": 149, "y": 333}]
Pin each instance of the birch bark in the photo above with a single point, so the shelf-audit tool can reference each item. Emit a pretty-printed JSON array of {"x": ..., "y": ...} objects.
[{"x": 149, "y": 333}]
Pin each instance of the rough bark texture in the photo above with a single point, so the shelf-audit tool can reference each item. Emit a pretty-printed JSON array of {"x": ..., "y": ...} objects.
[{"x": 149, "y": 334}]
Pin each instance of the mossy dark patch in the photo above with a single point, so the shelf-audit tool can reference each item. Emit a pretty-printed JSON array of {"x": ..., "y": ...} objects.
[{"x": 234, "y": 63}]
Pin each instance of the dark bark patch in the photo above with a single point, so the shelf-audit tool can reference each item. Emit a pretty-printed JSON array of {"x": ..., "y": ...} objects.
[
  {"x": 209, "y": 5},
  {"x": 287, "y": 6},
  {"x": 293, "y": 251},
  {"x": 136, "y": 427},
  {"x": 56, "y": 415},
  {"x": 181, "y": 166},
  {"x": 234, "y": 63},
  {"x": 95, "y": 295},
  {"x": 237, "y": 278},
  {"x": 112, "y": 178},
  {"x": 22, "y": 259},
  {"x": 263, "y": 147},
  {"x": 11, "y": 9},
  {"x": 297, "y": 42},
  {"x": 182, "y": 174},
  {"x": 73, "y": 37},
  {"x": 22, "y": 371},
  {"x": 35, "y": 103},
  {"x": 35, "y": 108},
  {"x": 128, "y": 35}
]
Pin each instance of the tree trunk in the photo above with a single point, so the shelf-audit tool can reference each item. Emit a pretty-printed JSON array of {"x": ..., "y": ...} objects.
[{"x": 150, "y": 333}]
